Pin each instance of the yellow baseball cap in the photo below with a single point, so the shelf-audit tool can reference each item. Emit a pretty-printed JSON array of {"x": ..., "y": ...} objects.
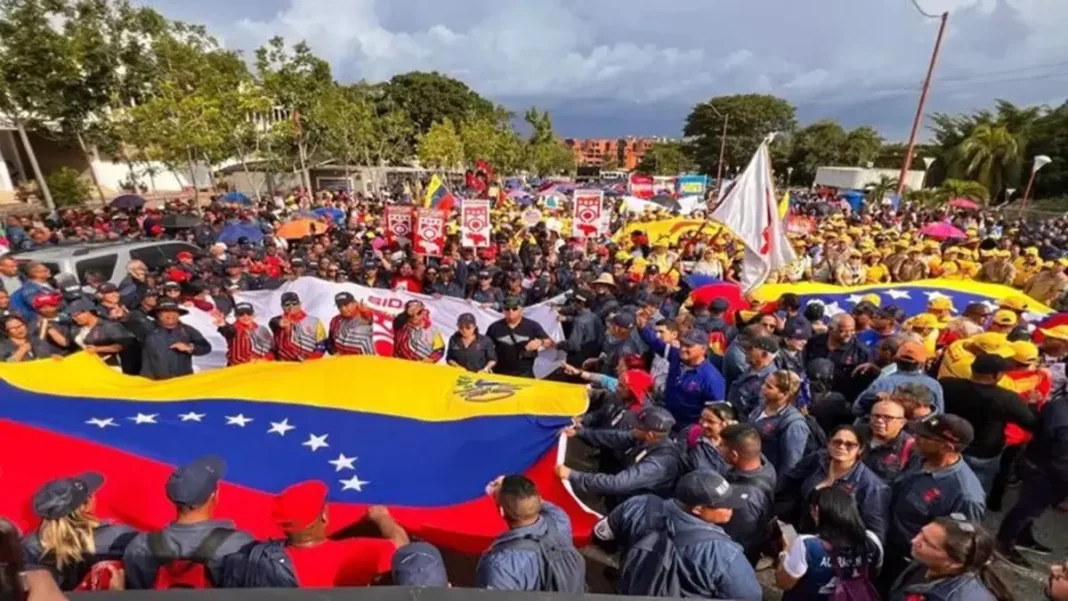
[
  {"x": 951, "y": 250},
  {"x": 989, "y": 342},
  {"x": 1026, "y": 351},
  {"x": 924, "y": 320},
  {"x": 872, "y": 298},
  {"x": 1031, "y": 251},
  {"x": 1005, "y": 318},
  {"x": 1059, "y": 332},
  {"x": 940, "y": 303},
  {"x": 1014, "y": 303}
]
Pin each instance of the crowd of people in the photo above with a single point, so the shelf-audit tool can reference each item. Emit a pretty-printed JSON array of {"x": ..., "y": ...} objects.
[{"x": 857, "y": 453}]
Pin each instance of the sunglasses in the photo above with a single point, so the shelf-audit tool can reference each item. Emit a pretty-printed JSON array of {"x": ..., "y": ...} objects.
[
  {"x": 843, "y": 444},
  {"x": 290, "y": 304},
  {"x": 512, "y": 308}
]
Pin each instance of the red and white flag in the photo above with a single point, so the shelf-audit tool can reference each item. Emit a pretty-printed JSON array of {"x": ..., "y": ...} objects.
[
  {"x": 749, "y": 210},
  {"x": 475, "y": 222},
  {"x": 589, "y": 208}
]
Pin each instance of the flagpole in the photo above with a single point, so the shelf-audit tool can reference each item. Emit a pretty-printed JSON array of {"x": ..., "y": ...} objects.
[{"x": 919, "y": 107}]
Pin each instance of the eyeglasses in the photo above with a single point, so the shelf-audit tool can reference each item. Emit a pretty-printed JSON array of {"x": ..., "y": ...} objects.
[
  {"x": 288, "y": 305},
  {"x": 882, "y": 417},
  {"x": 843, "y": 444},
  {"x": 512, "y": 309}
]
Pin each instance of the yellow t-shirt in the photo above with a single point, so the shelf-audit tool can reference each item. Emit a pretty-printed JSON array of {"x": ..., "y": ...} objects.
[{"x": 876, "y": 273}]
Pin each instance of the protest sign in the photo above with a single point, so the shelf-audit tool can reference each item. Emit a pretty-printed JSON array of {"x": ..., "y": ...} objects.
[
  {"x": 475, "y": 222},
  {"x": 589, "y": 206},
  {"x": 398, "y": 223},
  {"x": 429, "y": 232}
]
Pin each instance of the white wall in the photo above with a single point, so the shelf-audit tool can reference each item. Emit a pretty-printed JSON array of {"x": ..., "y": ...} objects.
[
  {"x": 857, "y": 178},
  {"x": 111, "y": 174}
]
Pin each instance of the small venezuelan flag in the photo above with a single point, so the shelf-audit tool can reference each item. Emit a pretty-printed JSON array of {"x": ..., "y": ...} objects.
[{"x": 438, "y": 195}]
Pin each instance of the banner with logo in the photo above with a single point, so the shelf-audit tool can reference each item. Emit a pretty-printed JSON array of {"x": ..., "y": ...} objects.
[
  {"x": 663, "y": 185},
  {"x": 641, "y": 186},
  {"x": 796, "y": 224},
  {"x": 398, "y": 223},
  {"x": 317, "y": 297},
  {"x": 429, "y": 232},
  {"x": 475, "y": 222},
  {"x": 589, "y": 205},
  {"x": 692, "y": 185}
]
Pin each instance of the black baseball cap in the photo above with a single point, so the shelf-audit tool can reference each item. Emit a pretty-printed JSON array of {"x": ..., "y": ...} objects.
[
  {"x": 485, "y": 275},
  {"x": 59, "y": 498},
  {"x": 466, "y": 318},
  {"x": 419, "y": 564},
  {"x": 107, "y": 288},
  {"x": 169, "y": 305},
  {"x": 343, "y": 298},
  {"x": 766, "y": 343},
  {"x": 244, "y": 309},
  {"x": 623, "y": 319},
  {"x": 656, "y": 419},
  {"x": 193, "y": 484},
  {"x": 948, "y": 428},
  {"x": 290, "y": 297},
  {"x": 989, "y": 364},
  {"x": 174, "y": 285},
  {"x": 81, "y": 306},
  {"x": 719, "y": 305},
  {"x": 706, "y": 488},
  {"x": 512, "y": 302},
  {"x": 695, "y": 337}
]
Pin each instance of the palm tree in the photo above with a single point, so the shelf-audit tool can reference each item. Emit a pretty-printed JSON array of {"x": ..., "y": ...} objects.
[
  {"x": 926, "y": 197},
  {"x": 879, "y": 190},
  {"x": 989, "y": 153},
  {"x": 962, "y": 188}
]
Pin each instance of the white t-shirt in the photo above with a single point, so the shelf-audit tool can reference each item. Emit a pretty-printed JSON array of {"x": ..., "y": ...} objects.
[{"x": 796, "y": 562}]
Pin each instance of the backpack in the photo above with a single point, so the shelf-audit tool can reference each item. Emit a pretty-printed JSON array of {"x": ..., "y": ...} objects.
[
  {"x": 562, "y": 569},
  {"x": 182, "y": 572},
  {"x": 817, "y": 438},
  {"x": 259, "y": 565},
  {"x": 651, "y": 567},
  {"x": 857, "y": 588}
]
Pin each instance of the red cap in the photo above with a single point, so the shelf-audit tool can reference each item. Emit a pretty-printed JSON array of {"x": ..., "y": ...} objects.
[
  {"x": 298, "y": 506},
  {"x": 638, "y": 382},
  {"x": 47, "y": 299},
  {"x": 184, "y": 255}
]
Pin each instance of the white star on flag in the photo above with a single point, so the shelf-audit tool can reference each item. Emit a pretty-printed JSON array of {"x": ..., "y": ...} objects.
[
  {"x": 315, "y": 442},
  {"x": 280, "y": 428},
  {"x": 832, "y": 309},
  {"x": 990, "y": 305},
  {"x": 144, "y": 418},
  {"x": 855, "y": 298},
  {"x": 342, "y": 463},
  {"x": 353, "y": 483},
  {"x": 102, "y": 423},
  {"x": 192, "y": 416},
  {"x": 898, "y": 293},
  {"x": 237, "y": 420},
  {"x": 936, "y": 294}
]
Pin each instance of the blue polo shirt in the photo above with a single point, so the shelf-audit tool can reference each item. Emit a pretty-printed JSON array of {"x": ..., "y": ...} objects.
[
  {"x": 687, "y": 388},
  {"x": 920, "y": 496}
]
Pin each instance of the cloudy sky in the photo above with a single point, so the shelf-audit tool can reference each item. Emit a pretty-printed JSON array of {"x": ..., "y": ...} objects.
[{"x": 618, "y": 67}]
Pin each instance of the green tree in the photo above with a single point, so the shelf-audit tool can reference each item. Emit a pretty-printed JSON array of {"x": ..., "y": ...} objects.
[
  {"x": 665, "y": 158},
  {"x": 552, "y": 158},
  {"x": 962, "y": 188},
  {"x": 1051, "y": 139},
  {"x": 820, "y": 144},
  {"x": 347, "y": 125},
  {"x": 494, "y": 140},
  {"x": 296, "y": 80},
  {"x": 751, "y": 117},
  {"x": 991, "y": 152},
  {"x": 68, "y": 187},
  {"x": 441, "y": 147},
  {"x": 35, "y": 62},
  {"x": 862, "y": 146},
  {"x": 880, "y": 189},
  {"x": 430, "y": 98}
]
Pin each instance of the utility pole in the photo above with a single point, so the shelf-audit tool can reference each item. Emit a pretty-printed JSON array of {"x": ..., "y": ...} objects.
[{"x": 923, "y": 101}]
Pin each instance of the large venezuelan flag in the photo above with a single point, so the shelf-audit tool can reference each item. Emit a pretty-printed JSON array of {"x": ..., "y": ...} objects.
[
  {"x": 667, "y": 230},
  {"x": 912, "y": 297},
  {"x": 422, "y": 439}
]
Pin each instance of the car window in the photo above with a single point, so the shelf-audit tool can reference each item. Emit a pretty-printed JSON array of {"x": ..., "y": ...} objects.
[
  {"x": 150, "y": 256},
  {"x": 104, "y": 264}
]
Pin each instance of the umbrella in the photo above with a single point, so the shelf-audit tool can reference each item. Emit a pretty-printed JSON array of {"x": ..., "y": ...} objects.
[
  {"x": 963, "y": 203},
  {"x": 235, "y": 198},
  {"x": 518, "y": 193},
  {"x": 180, "y": 221},
  {"x": 941, "y": 231},
  {"x": 301, "y": 228},
  {"x": 331, "y": 213},
  {"x": 127, "y": 202},
  {"x": 236, "y": 230}
]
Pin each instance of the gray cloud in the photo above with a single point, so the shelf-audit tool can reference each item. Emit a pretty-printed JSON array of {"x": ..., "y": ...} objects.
[{"x": 644, "y": 64}]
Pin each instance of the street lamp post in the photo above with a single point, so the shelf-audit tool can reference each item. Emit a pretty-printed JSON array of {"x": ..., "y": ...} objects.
[
  {"x": 789, "y": 174},
  {"x": 1040, "y": 162},
  {"x": 722, "y": 149}
]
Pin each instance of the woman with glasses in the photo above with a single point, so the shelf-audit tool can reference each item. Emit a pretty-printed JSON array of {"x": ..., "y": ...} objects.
[
  {"x": 19, "y": 345},
  {"x": 839, "y": 466},
  {"x": 839, "y": 554},
  {"x": 952, "y": 561}
]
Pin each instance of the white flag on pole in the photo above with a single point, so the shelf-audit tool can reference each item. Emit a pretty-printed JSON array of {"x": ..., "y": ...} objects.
[{"x": 750, "y": 211}]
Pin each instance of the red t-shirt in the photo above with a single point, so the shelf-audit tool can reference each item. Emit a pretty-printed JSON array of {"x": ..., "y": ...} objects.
[{"x": 348, "y": 562}]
